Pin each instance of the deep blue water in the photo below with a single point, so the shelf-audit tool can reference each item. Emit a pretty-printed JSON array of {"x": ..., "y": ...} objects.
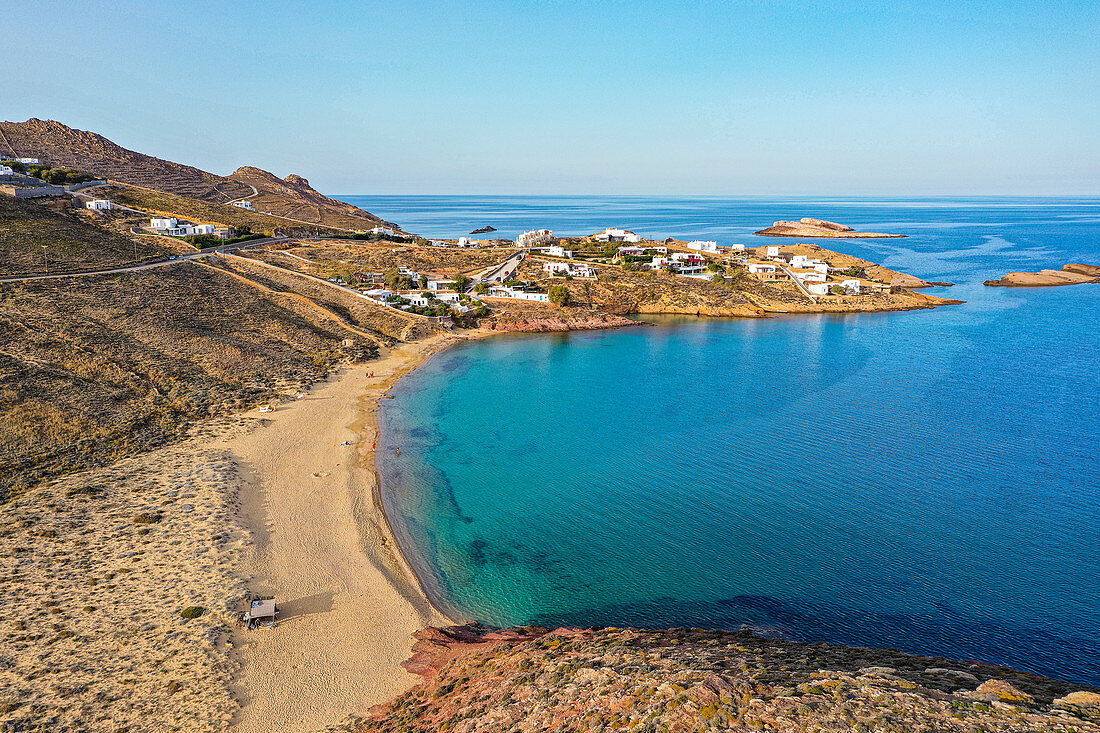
[{"x": 924, "y": 480}]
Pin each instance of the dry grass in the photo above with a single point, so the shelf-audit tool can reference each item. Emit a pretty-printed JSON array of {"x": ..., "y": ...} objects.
[
  {"x": 72, "y": 243},
  {"x": 106, "y": 367}
]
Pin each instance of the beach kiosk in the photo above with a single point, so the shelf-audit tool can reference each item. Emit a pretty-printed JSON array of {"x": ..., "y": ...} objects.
[{"x": 261, "y": 613}]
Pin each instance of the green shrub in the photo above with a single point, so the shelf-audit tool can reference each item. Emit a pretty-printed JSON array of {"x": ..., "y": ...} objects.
[
  {"x": 192, "y": 612},
  {"x": 147, "y": 518}
]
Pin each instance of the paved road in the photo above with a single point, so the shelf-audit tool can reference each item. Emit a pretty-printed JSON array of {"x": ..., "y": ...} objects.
[
  {"x": 148, "y": 265},
  {"x": 501, "y": 272}
]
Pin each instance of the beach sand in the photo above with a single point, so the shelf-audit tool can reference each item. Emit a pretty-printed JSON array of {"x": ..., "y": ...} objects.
[{"x": 348, "y": 602}]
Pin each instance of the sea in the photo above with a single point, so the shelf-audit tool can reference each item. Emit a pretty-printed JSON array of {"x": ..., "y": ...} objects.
[{"x": 925, "y": 480}]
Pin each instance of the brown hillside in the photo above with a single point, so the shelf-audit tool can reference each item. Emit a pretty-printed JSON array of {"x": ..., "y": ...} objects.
[{"x": 61, "y": 145}]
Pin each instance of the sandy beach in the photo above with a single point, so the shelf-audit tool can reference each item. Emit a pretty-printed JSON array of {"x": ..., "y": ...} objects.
[{"x": 321, "y": 545}]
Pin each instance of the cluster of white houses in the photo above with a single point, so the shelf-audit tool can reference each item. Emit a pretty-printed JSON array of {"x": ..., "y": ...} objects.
[
  {"x": 536, "y": 238},
  {"x": 810, "y": 272}
]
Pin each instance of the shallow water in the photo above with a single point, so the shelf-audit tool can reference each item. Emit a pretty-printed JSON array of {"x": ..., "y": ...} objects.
[{"x": 923, "y": 480}]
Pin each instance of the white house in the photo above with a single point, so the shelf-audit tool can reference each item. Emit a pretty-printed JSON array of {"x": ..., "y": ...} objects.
[
  {"x": 557, "y": 251},
  {"x": 382, "y": 230},
  {"x": 437, "y": 285},
  {"x": 243, "y": 205},
  {"x": 818, "y": 288},
  {"x": 6, "y": 170},
  {"x": 451, "y": 297},
  {"x": 556, "y": 267},
  {"x": 437, "y": 243},
  {"x": 378, "y": 293},
  {"x": 160, "y": 224},
  {"x": 535, "y": 237},
  {"x": 852, "y": 286},
  {"x": 631, "y": 251},
  {"x": 28, "y": 161},
  {"x": 202, "y": 229},
  {"x": 737, "y": 247},
  {"x": 761, "y": 269},
  {"x": 611, "y": 234},
  {"x": 502, "y": 291},
  {"x": 689, "y": 258},
  {"x": 804, "y": 261},
  {"x": 704, "y": 246},
  {"x": 467, "y": 242},
  {"x": 773, "y": 252},
  {"x": 570, "y": 268},
  {"x": 582, "y": 271},
  {"x": 658, "y": 262},
  {"x": 98, "y": 205},
  {"x": 808, "y": 276},
  {"x": 418, "y": 299}
]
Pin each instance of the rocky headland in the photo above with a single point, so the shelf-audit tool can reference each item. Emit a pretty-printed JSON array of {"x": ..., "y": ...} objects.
[
  {"x": 1071, "y": 274},
  {"x": 532, "y": 678},
  {"x": 810, "y": 227}
]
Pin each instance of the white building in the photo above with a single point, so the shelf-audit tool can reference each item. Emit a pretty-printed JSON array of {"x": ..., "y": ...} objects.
[
  {"x": 570, "y": 268},
  {"x": 611, "y": 234},
  {"x": 160, "y": 224},
  {"x": 98, "y": 205},
  {"x": 467, "y": 242},
  {"x": 382, "y": 230},
  {"x": 761, "y": 269},
  {"x": 535, "y": 238},
  {"x": 852, "y": 286},
  {"x": 818, "y": 288},
  {"x": 503, "y": 291},
  {"x": 378, "y": 293},
  {"x": 808, "y": 276},
  {"x": 773, "y": 252},
  {"x": 28, "y": 161},
  {"x": 451, "y": 297},
  {"x": 418, "y": 299},
  {"x": 557, "y": 251},
  {"x": 437, "y": 285},
  {"x": 437, "y": 243},
  {"x": 6, "y": 170},
  {"x": 658, "y": 263},
  {"x": 737, "y": 247},
  {"x": 243, "y": 205},
  {"x": 704, "y": 246},
  {"x": 631, "y": 251},
  {"x": 202, "y": 229}
]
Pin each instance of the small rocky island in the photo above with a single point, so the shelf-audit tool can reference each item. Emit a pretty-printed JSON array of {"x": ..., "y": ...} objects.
[
  {"x": 484, "y": 230},
  {"x": 1071, "y": 274},
  {"x": 809, "y": 227}
]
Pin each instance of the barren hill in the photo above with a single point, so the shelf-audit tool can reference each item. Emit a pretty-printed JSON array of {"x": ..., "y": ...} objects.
[{"x": 58, "y": 144}]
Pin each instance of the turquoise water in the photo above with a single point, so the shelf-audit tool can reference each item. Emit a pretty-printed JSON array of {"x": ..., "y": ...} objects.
[{"x": 923, "y": 480}]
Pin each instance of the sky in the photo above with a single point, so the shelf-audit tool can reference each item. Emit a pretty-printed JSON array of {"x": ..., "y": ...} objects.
[{"x": 662, "y": 98}]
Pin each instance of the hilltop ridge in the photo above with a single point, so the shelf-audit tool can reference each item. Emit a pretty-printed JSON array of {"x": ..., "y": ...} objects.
[{"x": 58, "y": 144}]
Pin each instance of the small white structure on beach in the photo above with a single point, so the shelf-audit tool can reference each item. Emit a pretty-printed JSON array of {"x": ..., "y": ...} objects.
[
  {"x": 613, "y": 234},
  {"x": 535, "y": 238},
  {"x": 243, "y": 205},
  {"x": 98, "y": 205}
]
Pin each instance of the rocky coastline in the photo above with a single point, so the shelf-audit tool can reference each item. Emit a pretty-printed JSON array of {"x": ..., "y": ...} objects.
[{"x": 1070, "y": 274}]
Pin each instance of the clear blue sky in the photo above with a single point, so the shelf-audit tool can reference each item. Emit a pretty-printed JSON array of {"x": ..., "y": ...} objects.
[{"x": 581, "y": 97}]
